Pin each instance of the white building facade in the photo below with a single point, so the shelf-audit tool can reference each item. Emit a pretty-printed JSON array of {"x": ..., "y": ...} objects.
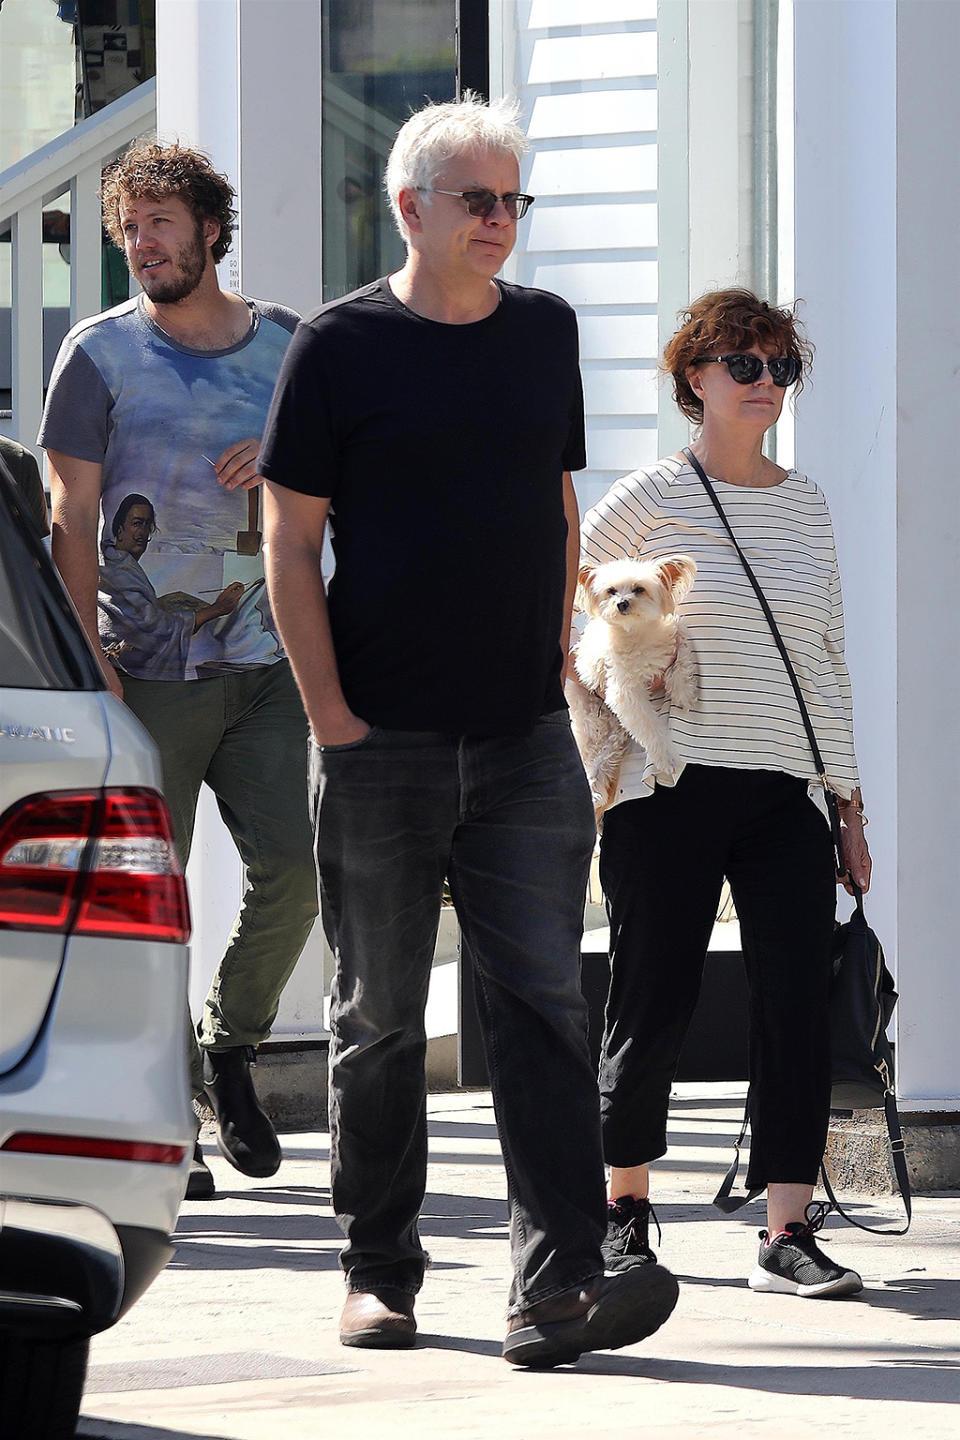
[{"x": 676, "y": 145}]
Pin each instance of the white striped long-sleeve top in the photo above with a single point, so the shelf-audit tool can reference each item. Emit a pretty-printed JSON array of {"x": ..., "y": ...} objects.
[{"x": 746, "y": 714}]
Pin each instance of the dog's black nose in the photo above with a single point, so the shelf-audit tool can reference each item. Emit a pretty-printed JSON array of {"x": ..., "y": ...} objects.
[{"x": 623, "y": 606}]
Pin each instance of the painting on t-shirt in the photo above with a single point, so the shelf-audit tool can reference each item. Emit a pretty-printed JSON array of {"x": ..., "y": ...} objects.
[
  {"x": 152, "y": 635},
  {"x": 181, "y": 584}
]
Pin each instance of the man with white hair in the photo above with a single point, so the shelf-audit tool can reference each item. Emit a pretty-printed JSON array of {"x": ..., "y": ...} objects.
[{"x": 434, "y": 416}]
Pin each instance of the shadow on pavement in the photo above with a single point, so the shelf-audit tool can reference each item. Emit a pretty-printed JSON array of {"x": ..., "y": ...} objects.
[
  {"x": 462, "y": 1130},
  {"x": 302, "y": 1195},
  {"x": 732, "y": 1103},
  {"x": 90, "y": 1429},
  {"x": 209, "y": 1240},
  {"x": 713, "y": 1132},
  {"x": 437, "y": 1157},
  {"x": 928, "y": 1298},
  {"x": 935, "y": 1382},
  {"x": 701, "y": 1139},
  {"x": 471, "y": 1346}
]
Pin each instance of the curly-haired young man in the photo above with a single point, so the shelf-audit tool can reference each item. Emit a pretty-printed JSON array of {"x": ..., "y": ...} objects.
[{"x": 165, "y": 397}]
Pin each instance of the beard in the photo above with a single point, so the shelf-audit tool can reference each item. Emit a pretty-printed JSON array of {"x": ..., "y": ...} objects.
[{"x": 191, "y": 261}]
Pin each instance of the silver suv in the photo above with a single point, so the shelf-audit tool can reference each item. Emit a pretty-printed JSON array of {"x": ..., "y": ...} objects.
[{"x": 96, "y": 1126}]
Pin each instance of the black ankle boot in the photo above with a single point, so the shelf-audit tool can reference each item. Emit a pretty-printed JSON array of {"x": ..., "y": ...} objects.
[
  {"x": 628, "y": 1234},
  {"x": 200, "y": 1185},
  {"x": 245, "y": 1133}
]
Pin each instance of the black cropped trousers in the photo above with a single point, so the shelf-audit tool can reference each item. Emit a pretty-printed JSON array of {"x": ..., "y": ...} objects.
[{"x": 663, "y": 859}]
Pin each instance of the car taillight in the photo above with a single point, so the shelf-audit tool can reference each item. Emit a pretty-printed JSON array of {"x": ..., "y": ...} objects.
[
  {"x": 92, "y": 862},
  {"x": 83, "y": 1147}
]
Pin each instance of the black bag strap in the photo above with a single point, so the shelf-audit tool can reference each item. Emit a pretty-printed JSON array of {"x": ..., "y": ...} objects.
[
  {"x": 897, "y": 1150},
  {"x": 722, "y": 1199},
  {"x": 727, "y": 1202}
]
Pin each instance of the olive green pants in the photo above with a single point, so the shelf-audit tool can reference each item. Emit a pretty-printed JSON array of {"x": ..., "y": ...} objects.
[{"x": 245, "y": 735}]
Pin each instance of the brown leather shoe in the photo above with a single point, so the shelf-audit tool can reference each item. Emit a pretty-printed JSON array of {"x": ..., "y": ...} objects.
[
  {"x": 612, "y": 1311},
  {"x": 380, "y": 1319}
]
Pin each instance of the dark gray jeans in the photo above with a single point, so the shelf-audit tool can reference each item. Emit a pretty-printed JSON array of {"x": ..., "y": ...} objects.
[{"x": 509, "y": 821}]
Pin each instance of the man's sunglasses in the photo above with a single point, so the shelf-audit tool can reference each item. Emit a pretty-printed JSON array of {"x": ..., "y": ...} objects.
[
  {"x": 747, "y": 369},
  {"x": 481, "y": 203}
]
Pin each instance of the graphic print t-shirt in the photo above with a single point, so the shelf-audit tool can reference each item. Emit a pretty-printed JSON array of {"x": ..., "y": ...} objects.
[{"x": 154, "y": 414}]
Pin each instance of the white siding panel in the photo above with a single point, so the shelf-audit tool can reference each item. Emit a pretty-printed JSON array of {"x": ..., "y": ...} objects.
[
  {"x": 618, "y": 337},
  {"x": 589, "y": 57},
  {"x": 593, "y": 112},
  {"x": 546, "y": 13},
  {"x": 610, "y": 170},
  {"x": 620, "y": 392},
  {"x": 621, "y": 450},
  {"x": 625, "y": 282},
  {"x": 590, "y": 96},
  {"x": 592, "y": 227}
]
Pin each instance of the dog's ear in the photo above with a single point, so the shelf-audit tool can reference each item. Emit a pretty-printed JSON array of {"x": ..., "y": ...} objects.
[
  {"x": 678, "y": 573},
  {"x": 582, "y": 597}
]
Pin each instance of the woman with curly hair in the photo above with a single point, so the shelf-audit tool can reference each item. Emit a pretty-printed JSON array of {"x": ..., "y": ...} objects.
[{"x": 744, "y": 801}]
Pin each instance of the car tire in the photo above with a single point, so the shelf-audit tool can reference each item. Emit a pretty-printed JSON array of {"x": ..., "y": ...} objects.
[{"x": 41, "y": 1386}]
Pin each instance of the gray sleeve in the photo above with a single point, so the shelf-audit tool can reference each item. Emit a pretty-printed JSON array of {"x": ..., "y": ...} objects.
[
  {"x": 281, "y": 315},
  {"x": 76, "y": 416}
]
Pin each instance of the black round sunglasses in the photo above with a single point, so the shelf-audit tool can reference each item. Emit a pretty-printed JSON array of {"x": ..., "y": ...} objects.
[
  {"x": 747, "y": 369},
  {"x": 481, "y": 203}
]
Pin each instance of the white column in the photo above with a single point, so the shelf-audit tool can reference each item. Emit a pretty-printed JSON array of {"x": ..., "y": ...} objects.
[
  {"x": 928, "y": 548},
  {"x": 280, "y": 198},
  {"x": 673, "y": 200},
  {"x": 877, "y": 429},
  {"x": 198, "y": 89},
  {"x": 845, "y": 209},
  {"x": 720, "y": 105},
  {"x": 241, "y": 80},
  {"x": 705, "y": 164}
]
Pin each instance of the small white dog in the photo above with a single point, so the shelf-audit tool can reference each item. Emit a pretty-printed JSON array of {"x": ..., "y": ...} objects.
[{"x": 634, "y": 634}]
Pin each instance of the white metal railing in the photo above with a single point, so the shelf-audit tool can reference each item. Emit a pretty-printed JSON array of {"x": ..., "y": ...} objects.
[{"x": 73, "y": 161}]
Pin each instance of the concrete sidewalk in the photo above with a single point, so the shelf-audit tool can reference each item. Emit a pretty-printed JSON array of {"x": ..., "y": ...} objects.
[{"x": 237, "y": 1339}]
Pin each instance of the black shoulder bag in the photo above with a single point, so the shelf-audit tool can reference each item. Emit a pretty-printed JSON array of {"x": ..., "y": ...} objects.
[{"x": 862, "y": 994}]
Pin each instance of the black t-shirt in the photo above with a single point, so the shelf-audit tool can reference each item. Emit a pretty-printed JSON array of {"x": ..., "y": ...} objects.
[{"x": 441, "y": 448}]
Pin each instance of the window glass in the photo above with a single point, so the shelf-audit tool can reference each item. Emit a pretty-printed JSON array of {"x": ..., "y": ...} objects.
[
  {"x": 37, "y": 78},
  {"x": 37, "y": 83},
  {"x": 380, "y": 62},
  {"x": 60, "y": 61}
]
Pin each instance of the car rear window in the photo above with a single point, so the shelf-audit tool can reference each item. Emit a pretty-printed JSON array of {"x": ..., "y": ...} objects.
[{"x": 42, "y": 645}]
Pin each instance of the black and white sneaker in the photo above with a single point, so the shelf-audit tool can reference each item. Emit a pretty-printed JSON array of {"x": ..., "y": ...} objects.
[
  {"x": 792, "y": 1263},
  {"x": 628, "y": 1230}
]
